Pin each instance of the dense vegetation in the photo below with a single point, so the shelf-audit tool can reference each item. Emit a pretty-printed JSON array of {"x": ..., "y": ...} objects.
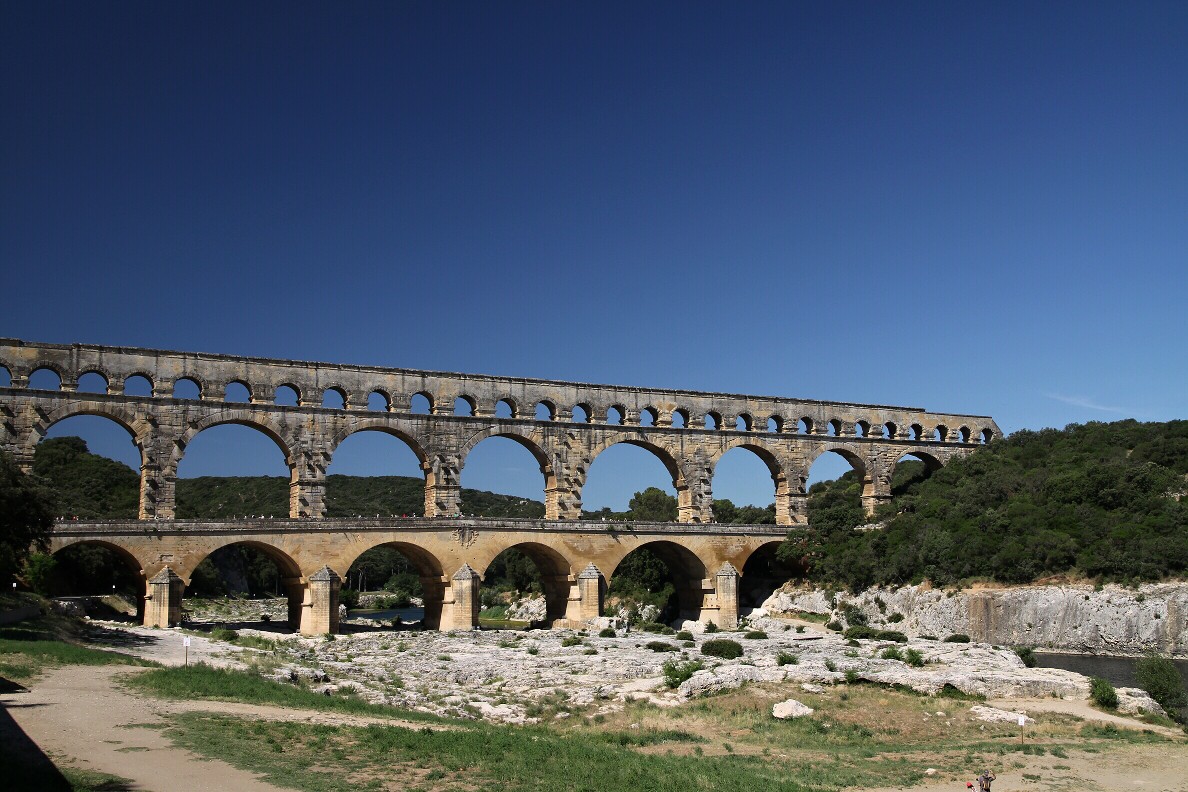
[{"x": 1096, "y": 500}]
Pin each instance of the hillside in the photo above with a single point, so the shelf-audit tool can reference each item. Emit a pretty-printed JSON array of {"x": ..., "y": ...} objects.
[{"x": 1100, "y": 501}]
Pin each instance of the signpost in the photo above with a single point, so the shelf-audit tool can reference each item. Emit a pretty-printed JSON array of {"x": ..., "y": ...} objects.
[
  {"x": 186, "y": 643},
  {"x": 1022, "y": 723}
]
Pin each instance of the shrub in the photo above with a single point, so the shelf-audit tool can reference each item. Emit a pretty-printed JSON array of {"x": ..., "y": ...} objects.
[
  {"x": 723, "y": 648},
  {"x": 895, "y": 618},
  {"x": 711, "y": 628},
  {"x": 957, "y": 638},
  {"x": 1027, "y": 655},
  {"x": 607, "y": 632},
  {"x": 830, "y": 665},
  {"x": 834, "y": 625},
  {"x": 223, "y": 634},
  {"x": 684, "y": 635},
  {"x": 787, "y": 658},
  {"x": 1103, "y": 693},
  {"x": 1159, "y": 677},
  {"x": 891, "y": 653},
  {"x": 853, "y": 616},
  {"x": 913, "y": 657},
  {"x": 348, "y": 597},
  {"x": 872, "y": 634},
  {"x": 676, "y": 672},
  {"x": 851, "y": 676},
  {"x": 800, "y": 628},
  {"x": 571, "y": 640},
  {"x": 756, "y": 635},
  {"x": 661, "y": 646}
]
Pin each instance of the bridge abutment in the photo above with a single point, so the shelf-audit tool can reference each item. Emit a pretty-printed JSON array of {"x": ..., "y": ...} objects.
[{"x": 163, "y": 599}]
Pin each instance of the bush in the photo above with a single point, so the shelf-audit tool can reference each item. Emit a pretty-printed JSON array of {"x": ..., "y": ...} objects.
[
  {"x": 755, "y": 635},
  {"x": 834, "y": 625},
  {"x": 891, "y": 653},
  {"x": 851, "y": 676},
  {"x": 223, "y": 634},
  {"x": 1027, "y": 655},
  {"x": 661, "y": 646},
  {"x": 895, "y": 618},
  {"x": 607, "y": 632},
  {"x": 1159, "y": 677},
  {"x": 571, "y": 640},
  {"x": 676, "y": 672},
  {"x": 348, "y": 597},
  {"x": 723, "y": 648},
  {"x": 913, "y": 657},
  {"x": 1103, "y": 693},
  {"x": 872, "y": 634},
  {"x": 684, "y": 635},
  {"x": 830, "y": 665},
  {"x": 787, "y": 658},
  {"x": 957, "y": 638},
  {"x": 711, "y": 628}
]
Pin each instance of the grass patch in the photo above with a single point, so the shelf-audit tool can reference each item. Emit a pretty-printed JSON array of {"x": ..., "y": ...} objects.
[
  {"x": 201, "y": 681},
  {"x": 27, "y": 649}
]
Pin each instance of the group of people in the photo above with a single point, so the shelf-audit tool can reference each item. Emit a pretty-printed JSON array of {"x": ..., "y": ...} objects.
[{"x": 982, "y": 782}]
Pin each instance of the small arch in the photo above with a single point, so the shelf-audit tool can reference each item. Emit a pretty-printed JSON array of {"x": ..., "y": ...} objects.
[
  {"x": 287, "y": 396},
  {"x": 421, "y": 403},
  {"x": 92, "y": 382},
  {"x": 379, "y": 401},
  {"x": 614, "y": 414},
  {"x": 834, "y": 428},
  {"x": 582, "y": 413},
  {"x": 464, "y": 405},
  {"x": 5, "y": 377},
  {"x": 505, "y": 408},
  {"x": 552, "y": 570},
  {"x": 237, "y": 391},
  {"x": 917, "y": 432},
  {"x": 805, "y": 425},
  {"x": 941, "y": 433},
  {"x": 657, "y": 567},
  {"x": 648, "y": 416},
  {"x": 680, "y": 418},
  {"x": 987, "y": 435},
  {"x": 187, "y": 388},
  {"x": 743, "y": 422},
  {"x": 775, "y": 424},
  {"x": 862, "y": 429},
  {"x": 45, "y": 378},
  {"x": 334, "y": 398},
  {"x": 713, "y": 420},
  {"x": 890, "y": 430},
  {"x": 545, "y": 410},
  {"x": 138, "y": 385},
  {"x": 964, "y": 434}
]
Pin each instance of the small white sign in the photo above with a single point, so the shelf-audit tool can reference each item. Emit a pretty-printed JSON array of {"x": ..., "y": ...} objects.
[
  {"x": 1022, "y": 718},
  {"x": 186, "y": 642}
]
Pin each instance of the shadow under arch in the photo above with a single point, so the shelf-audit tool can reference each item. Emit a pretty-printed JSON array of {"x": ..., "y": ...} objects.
[
  {"x": 95, "y": 568},
  {"x": 553, "y": 570},
  {"x": 288, "y": 571},
  {"x": 685, "y": 571},
  {"x": 429, "y": 571},
  {"x": 905, "y": 478},
  {"x": 763, "y": 573},
  {"x": 856, "y": 462}
]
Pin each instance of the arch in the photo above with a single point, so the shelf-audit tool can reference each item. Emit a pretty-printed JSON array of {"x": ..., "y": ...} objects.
[
  {"x": 421, "y": 403},
  {"x": 833, "y": 428},
  {"x": 904, "y": 479},
  {"x": 665, "y": 457},
  {"x": 374, "y": 425},
  {"x": 917, "y": 432},
  {"x": 426, "y": 567},
  {"x": 805, "y": 425},
  {"x": 379, "y": 401},
  {"x": 987, "y": 435},
  {"x": 964, "y": 434},
  {"x": 680, "y": 418},
  {"x": 187, "y": 388},
  {"x": 940, "y": 434},
  {"x": 842, "y": 451},
  {"x": 5, "y": 377},
  {"x": 582, "y": 413},
  {"x": 775, "y": 424},
  {"x": 668, "y": 464},
  {"x": 524, "y": 440},
  {"x": 862, "y": 428},
  {"x": 763, "y": 572},
  {"x": 93, "y": 382},
  {"x": 770, "y": 463},
  {"x": 374, "y": 449},
  {"x": 288, "y": 577},
  {"x": 260, "y": 422},
  {"x": 890, "y": 430},
  {"x": 46, "y": 376},
  {"x": 615, "y": 413},
  {"x": 506, "y": 408},
  {"x": 713, "y": 420},
  {"x": 648, "y": 416},
  {"x": 93, "y": 567},
  {"x": 287, "y": 395},
  {"x": 545, "y": 410},
  {"x": 685, "y": 571},
  {"x": 334, "y": 398},
  {"x": 125, "y": 419},
  {"x": 553, "y": 569},
  {"x": 138, "y": 385},
  {"x": 464, "y": 405},
  {"x": 743, "y": 422},
  {"x": 237, "y": 391}
]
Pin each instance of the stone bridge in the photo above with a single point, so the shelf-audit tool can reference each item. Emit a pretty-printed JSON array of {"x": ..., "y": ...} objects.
[{"x": 442, "y": 416}]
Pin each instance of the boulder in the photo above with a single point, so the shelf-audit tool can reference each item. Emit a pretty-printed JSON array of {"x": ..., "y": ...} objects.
[
  {"x": 791, "y": 708},
  {"x": 995, "y": 715}
]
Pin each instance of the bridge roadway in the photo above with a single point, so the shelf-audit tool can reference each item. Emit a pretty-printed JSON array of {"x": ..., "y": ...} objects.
[{"x": 576, "y": 560}]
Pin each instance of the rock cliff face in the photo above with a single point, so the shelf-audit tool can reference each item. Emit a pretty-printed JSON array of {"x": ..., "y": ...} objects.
[{"x": 1112, "y": 620}]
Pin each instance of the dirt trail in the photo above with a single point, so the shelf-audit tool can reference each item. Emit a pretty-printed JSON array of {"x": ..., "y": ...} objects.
[{"x": 82, "y": 713}]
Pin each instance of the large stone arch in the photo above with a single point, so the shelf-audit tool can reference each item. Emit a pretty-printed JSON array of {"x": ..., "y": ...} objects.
[
  {"x": 556, "y": 573},
  {"x": 689, "y": 572},
  {"x": 134, "y": 564},
  {"x": 430, "y": 569},
  {"x": 379, "y": 425},
  {"x": 529, "y": 439},
  {"x": 668, "y": 457},
  {"x": 252, "y": 419},
  {"x": 134, "y": 424},
  {"x": 292, "y": 577},
  {"x": 785, "y": 487}
]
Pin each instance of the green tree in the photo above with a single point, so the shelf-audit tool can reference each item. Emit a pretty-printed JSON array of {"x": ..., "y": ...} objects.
[
  {"x": 653, "y": 505},
  {"x": 1160, "y": 678},
  {"x": 26, "y": 517}
]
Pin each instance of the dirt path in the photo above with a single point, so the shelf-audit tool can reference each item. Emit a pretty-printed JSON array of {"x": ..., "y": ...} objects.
[
  {"x": 1082, "y": 710},
  {"x": 83, "y": 714}
]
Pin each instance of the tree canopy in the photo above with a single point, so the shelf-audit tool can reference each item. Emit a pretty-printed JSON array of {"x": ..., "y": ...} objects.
[{"x": 26, "y": 517}]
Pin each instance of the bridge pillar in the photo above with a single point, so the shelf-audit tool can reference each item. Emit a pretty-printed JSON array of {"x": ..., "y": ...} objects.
[
  {"x": 158, "y": 492},
  {"x": 432, "y": 591},
  {"x": 726, "y": 594},
  {"x": 163, "y": 600},
  {"x": 443, "y": 486},
  {"x": 461, "y": 609},
  {"x": 319, "y": 610},
  {"x": 585, "y": 600}
]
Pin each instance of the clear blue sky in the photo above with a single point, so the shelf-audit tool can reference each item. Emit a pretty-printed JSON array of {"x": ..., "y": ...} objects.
[{"x": 971, "y": 207}]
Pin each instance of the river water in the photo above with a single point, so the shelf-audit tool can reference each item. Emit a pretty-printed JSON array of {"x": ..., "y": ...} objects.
[{"x": 1118, "y": 670}]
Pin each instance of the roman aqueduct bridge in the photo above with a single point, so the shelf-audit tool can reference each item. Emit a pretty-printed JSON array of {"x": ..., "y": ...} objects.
[{"x": 565, "y": 426}]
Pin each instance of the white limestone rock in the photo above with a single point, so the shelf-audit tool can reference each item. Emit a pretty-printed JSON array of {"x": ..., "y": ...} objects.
[
  {"x": 786, "y": 710},
  {"x": 1135, "y": 701},
  {"x": 529, "y": 609},
  {"x": 995, "y": 715}
]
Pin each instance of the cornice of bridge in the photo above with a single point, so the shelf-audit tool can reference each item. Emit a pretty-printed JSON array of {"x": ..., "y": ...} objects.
[{"x": 412, "y": 525}]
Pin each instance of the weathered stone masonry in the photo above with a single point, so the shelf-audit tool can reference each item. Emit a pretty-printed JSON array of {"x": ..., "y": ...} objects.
[{"x": 787, "y": 434}]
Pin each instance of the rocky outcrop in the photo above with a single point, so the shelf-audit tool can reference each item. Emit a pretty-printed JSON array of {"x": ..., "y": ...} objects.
[
  {"x": 1110, "y": 620},
  {"x": 786, "y": 710}
]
